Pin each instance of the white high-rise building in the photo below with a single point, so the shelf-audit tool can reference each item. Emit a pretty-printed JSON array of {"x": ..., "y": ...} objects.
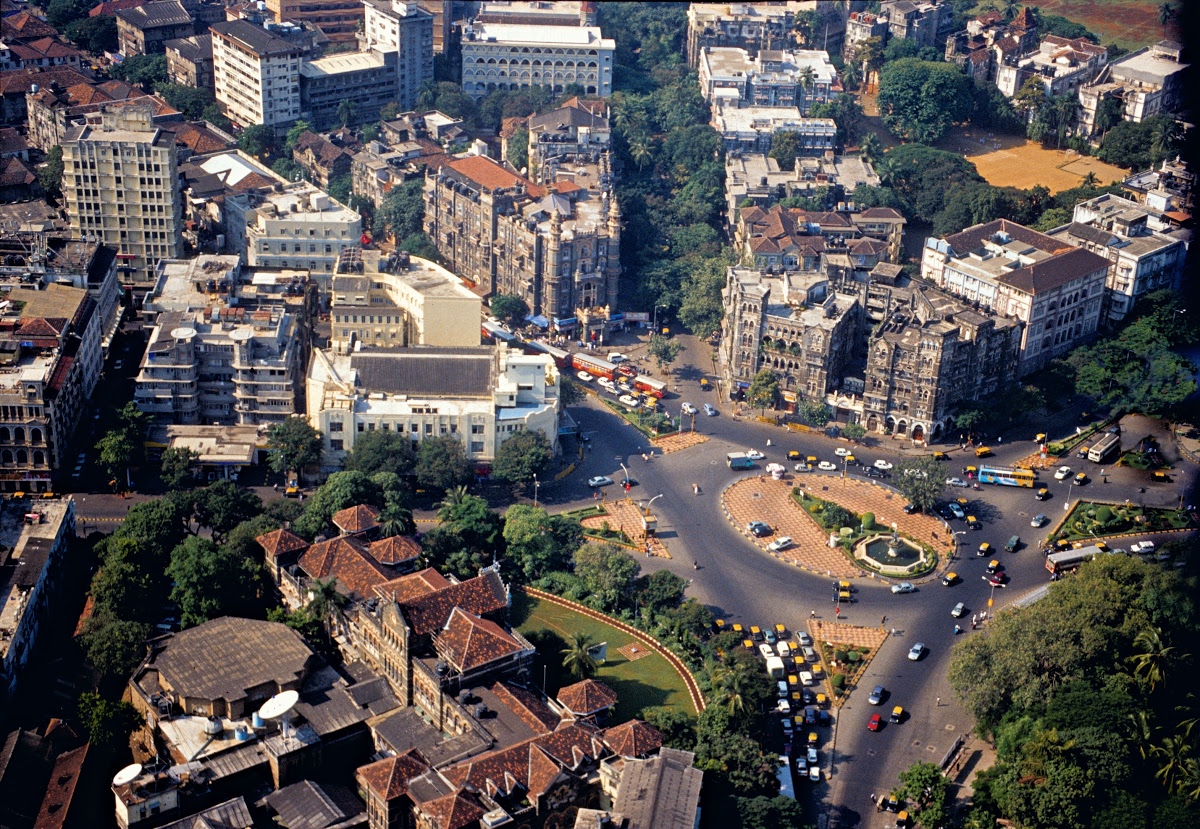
[
  {"x": 406, "y": 28},
  {"x": 519, "y": 56},
  {"x": 256, "y": 74}
]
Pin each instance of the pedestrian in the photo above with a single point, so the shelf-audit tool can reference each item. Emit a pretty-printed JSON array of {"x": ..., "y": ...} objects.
[
  {"x": 893, "y": 632},
  {"x": 883, "y": 621},
  {"x": 957, "y": 630},
  {"x": 1000, "y": 439},
  {"x": 939, "y": 702},
  {"x": 276, "y": 485}
]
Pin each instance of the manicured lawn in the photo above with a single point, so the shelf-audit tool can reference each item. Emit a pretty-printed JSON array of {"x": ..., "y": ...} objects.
[
  {"x": 644, "y": 683},
  {"x": 1089, "y": 519}
]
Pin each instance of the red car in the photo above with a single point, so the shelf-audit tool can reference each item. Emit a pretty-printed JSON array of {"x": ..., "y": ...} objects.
[
  {"x": 875, "y": 723},
  {"x": 996, "y": 579}
]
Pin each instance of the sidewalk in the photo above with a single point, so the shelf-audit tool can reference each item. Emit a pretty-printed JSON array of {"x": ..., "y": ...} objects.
[{"x": 627, "y": 517}]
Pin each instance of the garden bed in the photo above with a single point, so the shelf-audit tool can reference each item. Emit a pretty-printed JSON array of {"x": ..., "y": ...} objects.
[
  {"x": 1060, "y": 448},
  {"x": 1093, "y": 519},
  {"x": 851, "y": 529},
  {"x": 636, "y": 419},
  {"x": 608, "y": 534}
]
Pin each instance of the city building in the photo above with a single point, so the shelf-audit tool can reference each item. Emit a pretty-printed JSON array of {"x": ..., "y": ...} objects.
[
  {"x": 365, "y": 81},
  {"x": 321, "y": 158},
  {"x": 518, "y": 56},
  {"x": 792, "y": 324},
  {"x": 1147, "y": 82},
  {"x": 1061, "y": 65},
  {"x": 924, "y": 22},
  {"x": 750, "y": 129},
  {"x": 35, "y": 538},
  {"x": 408, "y": 29},
  {"x": 121, "y": 184},
  {"x": 52, "y": 109},
  {"x": 1144, "y": 253},
  {"x": 398, "y": 300},
  {"x": 445, "y": 13},
  {"x": 576, "y": 130},
  {"x": 660, "y": 792},
  {"x": 756, "y": 177},
  {"x": 772, "y": 78},
  {"x": 142, "y": 30},
  {"x": 338, "y": 19},
  {"x": 377, "y": 168},
  {"x": 749, "y": 26},
  {"x": 38, "y": 53},
  {"x": 256, "y": 72},
  {"x": 190, "y": 61},
  {"x": 296, "y": 226},
  {"x": 989, "y": 40},
  {"x": 861, "y": 26},
  {"x": 1009, "y": 270},
  {"x": 537, "y": 12},
  {"x": 788, "y": 238},
  {"x": 1169, "y": 188},
  {"x": 557, "y": 247}
]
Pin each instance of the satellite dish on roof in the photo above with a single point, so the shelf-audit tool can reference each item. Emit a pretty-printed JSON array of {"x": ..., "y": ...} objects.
[
  {"x": 278, "y": 705},
  {"x": 127, "y": 774}
]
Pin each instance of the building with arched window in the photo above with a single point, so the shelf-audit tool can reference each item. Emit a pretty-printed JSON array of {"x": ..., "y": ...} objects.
[{"x": 508, "y": 56}]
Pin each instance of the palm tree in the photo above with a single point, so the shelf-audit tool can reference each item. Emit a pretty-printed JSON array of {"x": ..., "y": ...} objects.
[
  {"x": 887, "y": 171},
  {"x": 346, "y": 111},
  {"x": 450, "y": 500},
  {"x": 850, "y": 75},
  {"x": 871, "y": 147},
  {"x": 1172, "y": 753},
  {"x": 806, "y": 78},
  {"x": 1064, "y": 113},
  {"x": 576, "y": 657},
  {"x": 1150, "y": 662},
  {"x": 727, "y": 688},
  {"x": 1166, "y": 13},
  {"x": 1189, "y": 781},
  {"x": 1144, "y": 733},
  {"x": 1090, "y": 180},
  {"x": 395, "y": 520},
  {"x": 323, "y": 598},
  {"x": 640, "y": 152},
  {"x": 1164, "y": 137}
]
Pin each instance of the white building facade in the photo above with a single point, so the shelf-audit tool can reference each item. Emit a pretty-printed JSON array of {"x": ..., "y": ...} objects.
[{"x": 513, "y": 56}]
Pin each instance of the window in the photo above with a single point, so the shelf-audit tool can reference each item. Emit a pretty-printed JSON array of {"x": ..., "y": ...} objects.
[
  {"x": 361, "y": 427},
  {"x": 476, "y": 446},
  {"x": 335, "y": 426},
  {"x": 477, "y": 428},
  {"x": 335, "y": 444}
]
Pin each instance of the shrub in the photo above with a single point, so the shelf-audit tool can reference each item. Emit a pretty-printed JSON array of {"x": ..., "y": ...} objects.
[
  {"x": 838, "y": 681},
  {"x": 853, "y": 656},
  {"x": 840, "y": 656},
  {"x": 868, "y": 520},
  {"x": 1104, "y": 515},
  {"x": 1055, "y": 448}
]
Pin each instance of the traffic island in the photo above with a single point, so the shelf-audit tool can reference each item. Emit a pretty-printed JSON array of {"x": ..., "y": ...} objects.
[
  {"x": 624, "y": 523},
  {"x": 682, "y": 440},
  {"x": 847, "y": 650},
  {"x": 1091, "y": 521}
]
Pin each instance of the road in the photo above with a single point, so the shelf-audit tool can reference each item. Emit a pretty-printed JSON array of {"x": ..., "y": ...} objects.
[{"x": 741, "y": 583}]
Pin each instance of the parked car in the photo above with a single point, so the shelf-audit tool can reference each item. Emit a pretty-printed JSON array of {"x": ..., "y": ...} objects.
[
  {"x": 599, "y": 480},
  {"x": 882, "y": 464},
  {"x": 814, "y": 774},
  {"x": 629, "y": 400},
  {"x": 804, "y": 639},
  {"x": 1139, "y": 547},
  {"x": 781, "y": 543},
  {"x": 956, "y": 511},
  {"x": 959, "y": 482},
  {"x": 767, "y": 652},
  {"x": 904, "y": 587},
  {"x": 759, "y": 528},
  {"x": 826, "y": 466},
  {"x": 909, "y": 509}
]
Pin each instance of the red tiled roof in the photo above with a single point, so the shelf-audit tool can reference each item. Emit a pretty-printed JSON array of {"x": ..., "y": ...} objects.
[
  {"x": 469, "y": 642},
  {"x": 409, "y": 587},
  {"x": 347, "y": 560},
  {"x": 39, "y": 327},
  {"x": 528, "y": 706},
  {"x": 24, "y": 24},
  {"x": 253, "y": 181},
  {"x": 278, "y": 542},
  {"x": 11, "y": 141},
  {"x": 573, "y": 744},
  {"x": 397, "y": 549},
  {"x": 114, "y": 6},
  {"x": 492, "y": 176},
  {"x": 356, "y": 519},
  {"x": 633, "y": 739},
  {"x": 453, "y": 811},
  {"x": 19, "y": 81},
  {"x": 481, "y": 595},
  {"x": 199, "y": 140},
  {"x": 389, "y": 777},
  {"x": 587, "y": 697},
  {"x": 64, "y": 778},
  {"x": 878, "y": 213},
  {"x": 16, "y": 173}
]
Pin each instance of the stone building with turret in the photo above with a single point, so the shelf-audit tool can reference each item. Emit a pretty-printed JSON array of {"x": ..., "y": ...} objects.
[{"x": 555, "y": 245}]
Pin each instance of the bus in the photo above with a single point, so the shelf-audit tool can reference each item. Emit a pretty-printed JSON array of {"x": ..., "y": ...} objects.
[
  {"x": 494, "y": 331},
  {"x": 1006, "y": 477},
  {"x": 1068, "y": 560},
  {"x": 593, "y": 365},
  {"x": 1103, "y": 448},
  {"x": 784, "y": 775},
  {"x": 561, "y": 358},
  {"x": 650, "y": 386}
]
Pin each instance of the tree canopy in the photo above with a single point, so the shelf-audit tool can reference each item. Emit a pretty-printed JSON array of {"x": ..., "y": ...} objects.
[
  {"x": 442, "y": 463},
  {"x": 921, "y": 480},
  {"x": 764, "y": 389},
  {"x": 919, "y": 100},
  {"x": 509, "y": 308},
  {"x": 522, "y": 457},
  {"x": 293, "y": 445},
  {"x": 380, "y": 451}
]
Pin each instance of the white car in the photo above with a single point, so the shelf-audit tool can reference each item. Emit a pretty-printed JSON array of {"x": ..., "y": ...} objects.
[
  {"x": 882, "y": 465},
  {"x": 956, "y": 482},
  {"x": 783, "y": 707},
  {"x": 904, "y": 587},
  {"x": 842, "y": 452},
  {"x": 584, "y": 376},
  {"x": 599, "y": 480},
  {"x": 811, "y": 756},
  {"x": 1141, "y": 547},
  {"x": 1039, "y": 520},
  {"x": 767, "y": 653},
  {"x": 709, "y": 410},
  {"x": 605, "y": 383},
  {"x": 806, "y": 678},
  {"x": 826, "y": 466},
  {"x": 783, "y": 649},
  {"x": 616, "y": 357},
  {"x": 959, "y": 610},
  {"x": 916, "y": 652},
  {"x": 1062, "y": 473},
  {"x": 754, "y": 455},
  {"x": 804, "y": 639},
  {"x": 781, "y": 543},
  {"x": 688, "y": 409},
  {"x": 629, "y": 400},
  {"x": 814, "y": 774}
]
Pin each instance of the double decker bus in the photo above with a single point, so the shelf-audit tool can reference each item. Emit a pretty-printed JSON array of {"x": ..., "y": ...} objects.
[
  {"x": 561, "y": 358},
  {"x": 1006, "y": 477},
  {"x": 1068, "y": 560},
  {"x": 650, "y": 386}
]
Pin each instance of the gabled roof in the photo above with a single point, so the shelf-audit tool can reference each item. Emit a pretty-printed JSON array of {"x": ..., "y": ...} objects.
[
  {"x": 469, "y": 642},
  {"x": 587, "y": 697},
  {"x": 346, "y": 559},
  {"x": 113, "y": 6},
  {"x": 60, "y": 792},
  {"x": 881, "y": 214},
  {"x": 356, "y": 519},
  {"x": 199, "y": 139},
  {"x": 453, "y": 811},
  {"x": 573, "y": 744},
  {"x": 19, "y": 81},
  {"x": 153, "y": 15},
  {"x": 633, "y": 739},
  {"x": 528, "y": 706},
  {"x": 492, "y": 176},
  {"x": 24, "y": 24},
  {"x": 278, "y": 542},
  {"x": 388, "y": 778},
  {"x": 398, "y": 549},
  {"x": 409, "y": 587},
  {"x": 16, "y": 173},
  {"x": 481, "y": 595}
]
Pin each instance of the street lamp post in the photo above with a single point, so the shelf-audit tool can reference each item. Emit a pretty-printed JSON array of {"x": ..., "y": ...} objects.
[
  {"x": 1070, "y": 489},
  {"x": 651, "y": 501},
  {"x": 535, "y": 491}
]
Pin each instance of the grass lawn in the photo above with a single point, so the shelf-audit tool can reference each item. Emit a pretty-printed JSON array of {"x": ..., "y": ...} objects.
[{"x": 647, "y": 682}]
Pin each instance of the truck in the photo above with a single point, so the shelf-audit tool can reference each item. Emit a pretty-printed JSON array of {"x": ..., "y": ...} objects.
[
  {"x": 1104, "y": 447},
  {"x": 738, "y": 460},
  {"x": 775, "y": 667},
  {"x": 1006, "y": 477},
  {"x": 593, "y": 365}
]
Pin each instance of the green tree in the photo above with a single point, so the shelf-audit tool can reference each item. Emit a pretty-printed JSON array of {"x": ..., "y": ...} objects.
[
  {"x": 919, "y": 100},
  {"x": 1108, "y": 115},
  {"x": 179, "y": 467},
  {"x": 468, "y": 537},
  {"x": 389, "y": 111},
  {"x": 340, "y": 188},
  {"x": 292, "y": 446},
  {"x": 785, "y": 146},
  {"x": 187, "y": 99},
  {"x": 61, "y": 13},
  {"x": 257, "y": 140},
  {"x": 854, "y": 431},
  {"x": 442, "y": 463},
  {"x": 678, "y": 729},
  {"x": 1030, "y": 98},
  {"x": 509, "y": 308},
  {"x": 223, "y": 505},
  {"x": 660, "y": 591},
  {"x": 969, "y": 420},
  {"x": 764, "y": 390},
  {"x": 734, "y": 758},
  {"x": 1152, "y": 657},
  {"x": 340, "y": 490},
  {"x": 123, "y": 446},
  {"x": 211, "y": 582},
  {"x": 701, "y": 309},
  {"x": 814, "y": 413},
  {"x": 921, "y": 480},
  {"x": 108, "y": 723},
  {"x": 50, "y": 174},
  {"x": 96, "y": 35},
  {"x": 285, "y": 167},
  {"x": 143, "y": 70},
  {"x": 114, "y": 647},
  {"x": 539, "y": 543},
  {"x": 1166, "y": 13},
  {"x": 294, "y": 134},
  {"x": 872, "y": 147},
  {"x": 347, "y": 112},
  {"x": 607, "y": 572},
  {"x": 213, "y": 115},
  {"x": 402, "y": 211},
  {"x": 380, "y": 451},
  {"x": 577, "y": 658},
  {"x": 770, "y": 812},
  {"x": 1135, "y": 371},
  {"x": 925, "y": 788},
  {"x": 522, "y": 457},
  {"x": 518, "y": 148},
  {"x": 664, "y": 351}
]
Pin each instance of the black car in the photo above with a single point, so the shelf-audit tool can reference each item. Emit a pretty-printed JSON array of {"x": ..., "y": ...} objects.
[
  {"x": 808, "y": 697},
  {"x": 760, "y": 528},
  {"x": 810, "y": 715},
  {"x": 872, "y": 472},
  {"x": 909, "y": 509}
]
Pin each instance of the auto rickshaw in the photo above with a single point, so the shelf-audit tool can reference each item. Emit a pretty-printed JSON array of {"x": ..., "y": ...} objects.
[
  {"x": 984, "y": 550},
  {"x": 781, "y": 631},
  {"x": 973, "y": 524},
  {"x": 939, "y": 456},
  {"x": 897, "y": 714},
  {"x": 811, "y": 460},
  {"x": 971, "y": 471},
  {"x": 813, "y": 738},
  {"x": 902, "y": 819},
  {"x": 756, "y": 633},
  {"x": 1042, "y": 494},
  {"x": 1040, "y": 437},
  {"x": 822, "y": 700},
  {"x": 950, "y": 578}
]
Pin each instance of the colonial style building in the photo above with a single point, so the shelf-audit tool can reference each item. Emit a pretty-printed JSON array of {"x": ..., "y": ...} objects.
[
  {"x": 557, "y": 247},
  {"x": 1147, "y": 82},
  {"x": 576, "y": 131},
  {"x": 143, "y": 29},
  {"x": 190, "y": 61},
  {"x": 1060, "y": 65},
  {"x": 519, "y": 56},
  {"x": 1007, "y": 269},
  {"x": 788, "y": 238}
]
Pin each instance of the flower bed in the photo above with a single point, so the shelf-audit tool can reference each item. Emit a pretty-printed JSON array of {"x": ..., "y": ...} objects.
[
  {"x": 846, "y": 663},
  {"x": 1091, "y": 519},
  {"x": 635, "y": 418},
  {"x": 1059, "y": 448}
]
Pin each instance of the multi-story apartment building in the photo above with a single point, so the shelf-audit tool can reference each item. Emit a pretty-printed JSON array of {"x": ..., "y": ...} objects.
[
  {"x": 510, "y": 56},
  {"x": 1148, "y": 82},
  {"x": 757, "y": 177},
  {"x": 750, "y": 129},
  {"x": 444, "y": 13},
  {"x": 989, "y": 40},
  {"x": 797, "y": 327},
  {"x": 365, "y": 80},
  {"x": 788, "y": 238},
  {"x": 143, "y": 29},
  {"x": 221, "y": 365},
  {"x": 397, "y": 300},
  {"x": 1169, "y": 188},
  {"x": 377, "y": 168},
  {"x": 50, "y": 358},
  {"x": 321, "y": 159},
  {"x": 121, "y": 184},
  {"x": 576, "y": 130},
  {"x": 1132, "y": 238},
  {"x": 481, "y": 395},
  {"x": 1061, "y": 65},
  {"x": 557, "y": 247},
  {"x": 925, "y": 22},
  {"x": 296, "y": 226},
  {"x": 256, "y": 72},
  {"x": 772, "y": 78},
  {"x": 338, "y": 19},
  {"x": 52, "y": 109},
  {"x": 750, "y": 26},
  {"x": 408, "y": 30},
  {"x": 1009, "y": 270},
  {"x": 190, "y": 61}
]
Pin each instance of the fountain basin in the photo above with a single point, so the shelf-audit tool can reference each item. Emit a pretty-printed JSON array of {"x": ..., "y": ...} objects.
[{"x": 891, "y": 556}]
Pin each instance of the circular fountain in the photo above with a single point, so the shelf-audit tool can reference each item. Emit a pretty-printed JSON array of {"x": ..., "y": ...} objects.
[{"x": 890, "y": 554}]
